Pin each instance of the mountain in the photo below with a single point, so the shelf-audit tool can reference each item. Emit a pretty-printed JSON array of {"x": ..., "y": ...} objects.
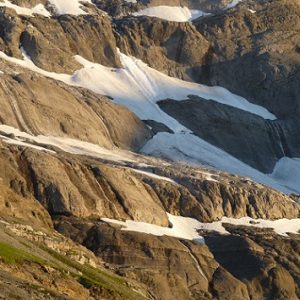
[{"x": 149, "y": 149}]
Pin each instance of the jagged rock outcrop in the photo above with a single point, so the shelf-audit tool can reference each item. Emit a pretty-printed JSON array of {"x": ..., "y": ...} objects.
[
  {"x": 89, "y": 36},
  {"x": 267, "y": 263},
  {"x": 70, "y": 185},
  {"x": 176, "y": 48},
  {"x": 256, "y": 55}
]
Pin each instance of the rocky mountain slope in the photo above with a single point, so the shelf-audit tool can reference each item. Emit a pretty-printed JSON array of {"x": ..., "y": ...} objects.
[{"x": 149, "y": 149}]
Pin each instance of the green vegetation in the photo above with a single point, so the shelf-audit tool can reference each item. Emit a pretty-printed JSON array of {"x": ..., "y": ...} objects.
[
  {"x": 95, "y": 277},
  {"x": 12, "y": 255},
  {"x": 86, "y": 275}
]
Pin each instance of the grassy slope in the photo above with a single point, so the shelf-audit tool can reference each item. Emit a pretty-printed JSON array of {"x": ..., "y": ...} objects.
[{"x": 86, "y": 275}]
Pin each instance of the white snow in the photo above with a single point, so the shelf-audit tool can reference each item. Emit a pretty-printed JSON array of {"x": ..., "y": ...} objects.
[
  {"x": 287, "y": 173},
  {"x": 155, "y": 176},
  {"x": 69, "y": 7},
  {"x": 19, "y": 142},
  {"x": 38, "y": 9},
  {"x": 280, "y": 226},
  {"x": 187, "y": 228},
  {"x": 209, "y": 176},
  {"x": 66, "y": 144},
  {"x": 183, "y": 147},
  {"x": 177, "y": 13},
  {"x": 184, "y": 228},
  {"x": 233, "y": 4},
  {"x": 139, "y": 87},
  {"x": 171, "y": 13}
]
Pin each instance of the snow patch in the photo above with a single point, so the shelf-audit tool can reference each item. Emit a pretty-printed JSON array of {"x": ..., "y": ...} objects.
[
  {"x": 187, "y": 228},
  {"x": 280, "y": 226},
  {"x": 155, "y": 176},
  {"x": 139, "y": 87},
  {"x": 184, "y": 228},
  {"x": 233, "y": 4},
  {"x": 287, "y": 173},
  {"x": 69, "y": 7},
  {"x": 21, "y": 143},
  {"x": 39, "y": 9},
  {"x": 66, "y": 144},
  {"x": 182, "y": 147},
  {"x": 171, "y": 13}
]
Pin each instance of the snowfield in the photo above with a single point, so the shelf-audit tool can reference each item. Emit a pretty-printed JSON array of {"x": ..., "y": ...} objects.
[
  {"x": 185, "y": 147},
  {"x": 68, "y": 145},
  {"x": 187, "y": 228},
  {"x": 181, "y": 147},
  {"x": 287, "y": 172},
  {"x": 139, "y": 87}
]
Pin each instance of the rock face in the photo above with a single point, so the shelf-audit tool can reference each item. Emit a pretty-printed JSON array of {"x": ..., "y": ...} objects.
[
  {"x": 85, "y": 187},
  {"x": 242, "y": 265},
  {"x": 266, "y": 272},
  {"x": 175, "y": 48},
  {"x": 13, "y": 205},
  {"x": 42, "y": 106},
  {"x": 89, "y": 36},
  {"x": 254, "y": 54},
  {"x": 252, "y": 139}
]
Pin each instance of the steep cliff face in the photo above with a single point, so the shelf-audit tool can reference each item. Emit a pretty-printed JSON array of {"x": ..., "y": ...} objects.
[
  {"x": 175, "y": 48},
  {"x": 89, "y": 36},
  {"x": 253, "y": 54}
]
